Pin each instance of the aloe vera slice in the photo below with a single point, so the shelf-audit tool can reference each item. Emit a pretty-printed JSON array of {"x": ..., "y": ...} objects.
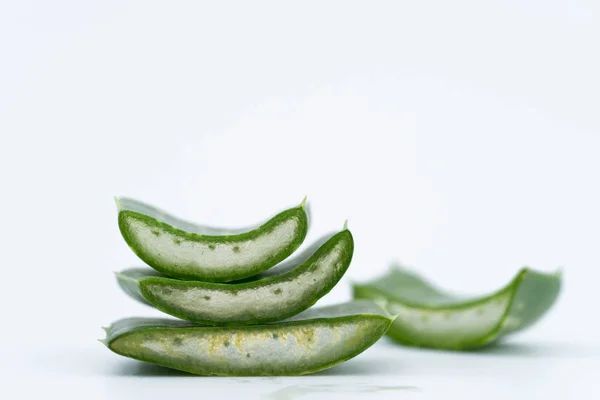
[
  {"x": 271, "y": 298},
  {"x": 188, "y": 251},
  {"x": 430, "y": 317},
  {"x": 312, "y": 341}
]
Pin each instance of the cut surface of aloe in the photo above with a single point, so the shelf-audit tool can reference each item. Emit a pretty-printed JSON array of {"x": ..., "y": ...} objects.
[
  {"x": 188, "y": 251},
  {"x": 270, "y": 298},
  {"x": 430, "y": 317},
  {"x": 311, "y": 341}
]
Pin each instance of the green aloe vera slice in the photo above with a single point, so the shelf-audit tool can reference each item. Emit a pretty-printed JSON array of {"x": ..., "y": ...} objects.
[
  {"x": 312, "y": 341},
  {"x": 280, "y": 293},
  {"x": 188, "y": 251},
  {"x": 430, "y": 317}
]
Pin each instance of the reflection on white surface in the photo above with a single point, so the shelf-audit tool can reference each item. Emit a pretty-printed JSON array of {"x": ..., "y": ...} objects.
[
  {"x": 310, "y": 391},
  {"x": 386, "y": 371}
]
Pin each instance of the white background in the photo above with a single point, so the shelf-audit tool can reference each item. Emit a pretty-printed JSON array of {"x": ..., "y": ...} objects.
[{"x": 460, "y": 138}]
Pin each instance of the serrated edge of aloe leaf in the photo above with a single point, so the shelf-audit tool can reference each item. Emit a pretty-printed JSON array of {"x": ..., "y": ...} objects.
[
  {"x": 385, "y": 317},
  {"x": 299, "y": 212},
  {"x": 486, "y": 339},
  {"x": 148, "y": 298}
]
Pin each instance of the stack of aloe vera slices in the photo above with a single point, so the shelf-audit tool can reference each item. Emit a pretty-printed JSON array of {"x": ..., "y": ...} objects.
[{"x": 237, "y": 315}]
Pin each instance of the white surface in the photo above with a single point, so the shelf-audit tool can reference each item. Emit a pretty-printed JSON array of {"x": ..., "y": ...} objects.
[
  {"x": 461, "y": 138},
  {"x": 518, "y": 370}
]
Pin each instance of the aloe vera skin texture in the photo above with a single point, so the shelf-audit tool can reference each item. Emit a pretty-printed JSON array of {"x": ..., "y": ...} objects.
[
  {"x": 272, "y": 298},
  {"x": 312, "y": 341},
  {"x": 184, "y": 250},
  {"x": 429, "y": 317}
]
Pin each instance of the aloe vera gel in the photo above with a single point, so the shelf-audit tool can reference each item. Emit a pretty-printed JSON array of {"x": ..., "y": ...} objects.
[{"x": 240, "y": 310}]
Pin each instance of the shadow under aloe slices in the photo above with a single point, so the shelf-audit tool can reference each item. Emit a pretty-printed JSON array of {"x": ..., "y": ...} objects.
[
  {"x": 312, "y": 341},
  {"x": 265, "y": 299},
  {"x": 185, "y": 250},
  {"x": 430, "y": 317}
]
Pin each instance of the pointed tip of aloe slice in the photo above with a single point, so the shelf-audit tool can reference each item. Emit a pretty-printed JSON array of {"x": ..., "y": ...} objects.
[
  {"x": 393, "y": 317},
  {"x": 105, "y": 328},
  {"x": 557, "y": 273},
  {"x": 384, "y": 304},
  {"x": 120, "y": 275},
  {"x": 118, "y": 203},
  {"x": 104, "y": 342},
  {"x": 346, "y": 225},
  {"x": 303, "y": 204}
]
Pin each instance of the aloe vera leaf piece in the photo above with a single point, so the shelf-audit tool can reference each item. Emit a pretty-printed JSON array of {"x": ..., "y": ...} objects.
[
  {"x": 185, "y": 250},
  {"x": 269, "y": 299},
  {"x": 430, "y": 317},
  {"x": 312, "y": 341}
]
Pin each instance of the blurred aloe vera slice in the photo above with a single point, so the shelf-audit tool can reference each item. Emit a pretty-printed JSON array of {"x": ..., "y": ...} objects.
[
  {"x": 312, "y": 341},
  {"x": 188, "y": 251},
  {"x": 280, "y": 293},
  {"x": 430, "y": 317}
]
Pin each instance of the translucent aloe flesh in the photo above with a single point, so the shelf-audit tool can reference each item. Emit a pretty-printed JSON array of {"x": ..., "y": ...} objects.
[
  {"x": 188, "y": 251},
  {"x": 430, "y": 317},
  {"x": 271, "y": 298},
  {"x": 309, "y": 342}
]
